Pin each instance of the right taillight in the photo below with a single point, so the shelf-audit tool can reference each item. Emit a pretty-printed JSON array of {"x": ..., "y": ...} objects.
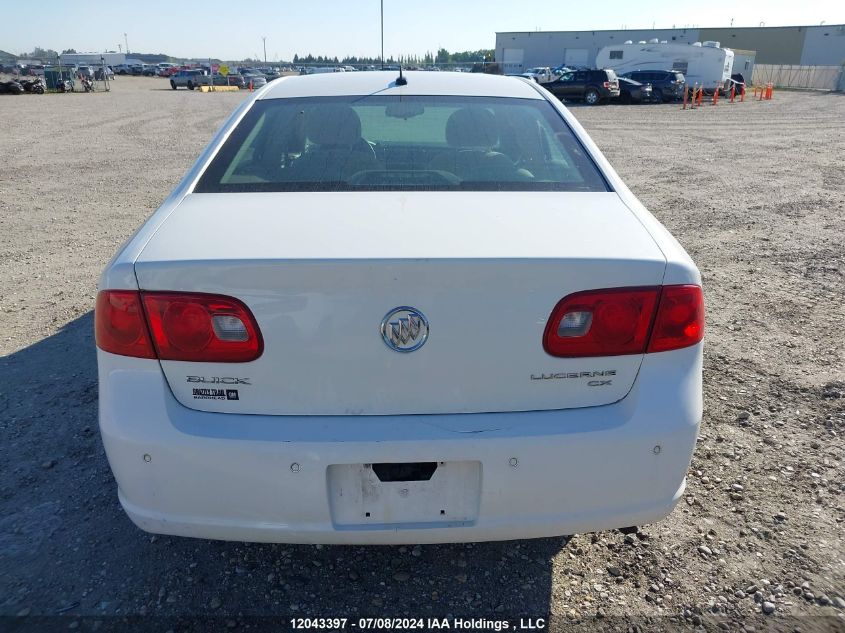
[
  {"x": 620, "y": 321},
  {"x": 680, "y": 319}
]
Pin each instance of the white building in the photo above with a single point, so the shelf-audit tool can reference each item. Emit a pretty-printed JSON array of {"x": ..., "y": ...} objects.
[
  {"x": 93, "y": 59},
  {"x": 822, "y": 45}
]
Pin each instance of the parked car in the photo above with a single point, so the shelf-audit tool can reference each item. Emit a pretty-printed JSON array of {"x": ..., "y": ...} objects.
[
  {"x": 590, "y": 86},
  {"x": 123, "y": 69},
  {"x": 666, "y": 85},
  {"x": 540, "y": 74},
  {"x": 100, "y": 74},
  {"x": 631, "y": 91},
  {"x": 189, "y": 79},
  {"x": 85, "y": 71},
  {"x": 232, "y": 80},
  {"x": 254, "y": 80},
  {"x": 275, "y": 365},
  {"x": 148, "y": 70}
]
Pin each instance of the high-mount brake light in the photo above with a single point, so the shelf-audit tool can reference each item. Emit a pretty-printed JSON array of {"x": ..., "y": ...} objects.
[
  {"x": 176, "y": 326},
  {"x": 620, "y": 321}
]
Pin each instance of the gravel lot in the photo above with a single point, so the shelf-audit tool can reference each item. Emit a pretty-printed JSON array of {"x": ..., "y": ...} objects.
[{"x": 754, "y": 191}]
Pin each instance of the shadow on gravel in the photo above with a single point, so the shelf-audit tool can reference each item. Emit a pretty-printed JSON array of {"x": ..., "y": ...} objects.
[{"x": 67, "y": 548}]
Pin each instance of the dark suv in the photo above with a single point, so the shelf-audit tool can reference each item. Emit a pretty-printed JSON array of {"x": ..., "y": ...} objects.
[
  {"x": 666, "y": 85},
  {"x": 590, "y": 86}
]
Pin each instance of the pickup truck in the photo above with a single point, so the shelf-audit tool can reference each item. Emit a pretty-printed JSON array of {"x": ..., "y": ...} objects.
[{"x": 540, "y": 74}]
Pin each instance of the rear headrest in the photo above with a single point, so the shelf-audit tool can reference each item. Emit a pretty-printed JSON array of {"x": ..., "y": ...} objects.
[
  {"x": 472, "y": 127},
  {"x": 331, "y": 124}
]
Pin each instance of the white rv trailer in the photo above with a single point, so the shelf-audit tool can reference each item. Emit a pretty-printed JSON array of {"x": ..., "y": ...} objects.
[{"x": 705, "y": 64}]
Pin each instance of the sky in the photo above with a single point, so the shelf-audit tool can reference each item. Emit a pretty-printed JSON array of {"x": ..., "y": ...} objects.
[{"x": 232, "y": 29}]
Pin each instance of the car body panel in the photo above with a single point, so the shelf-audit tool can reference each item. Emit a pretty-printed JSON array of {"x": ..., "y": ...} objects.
[
  {"x": 264, "y": 478},
  {"x": 320, "y": 290}
]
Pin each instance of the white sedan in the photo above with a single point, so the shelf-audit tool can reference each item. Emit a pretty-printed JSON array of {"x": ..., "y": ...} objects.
[{"x": 399, "y": 310}]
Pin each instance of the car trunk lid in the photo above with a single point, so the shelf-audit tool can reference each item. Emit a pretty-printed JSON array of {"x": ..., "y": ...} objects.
[{"x": 320, "y": 271}]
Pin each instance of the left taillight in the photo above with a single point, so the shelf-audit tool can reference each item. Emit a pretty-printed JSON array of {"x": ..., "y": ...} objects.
[
  {"x": 177, "y": 326},
  {"x": 119, "y": 324}
]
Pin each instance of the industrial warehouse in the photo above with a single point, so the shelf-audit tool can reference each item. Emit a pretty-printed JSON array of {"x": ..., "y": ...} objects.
[{"x": 806, "y": 46}]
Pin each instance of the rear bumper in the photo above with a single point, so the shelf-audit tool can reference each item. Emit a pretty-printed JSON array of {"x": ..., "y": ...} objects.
[{"x": 231, "y": 477}]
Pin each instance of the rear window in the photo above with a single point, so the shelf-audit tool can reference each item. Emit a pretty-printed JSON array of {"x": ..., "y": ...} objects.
[{"x": 401, "y": 143}]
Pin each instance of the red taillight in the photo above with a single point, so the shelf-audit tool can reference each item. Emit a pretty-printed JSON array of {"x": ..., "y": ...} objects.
[
  {"x": 609, "y": 322},
  {"x": 680, "y": 319},
  {"x": 119, "y": 325},
  {"x": 200, "y": 327},
  {"x": 177, "y": 326},
  {"x": 619, "y": 321},
  {"x": 607, "y": 84}
]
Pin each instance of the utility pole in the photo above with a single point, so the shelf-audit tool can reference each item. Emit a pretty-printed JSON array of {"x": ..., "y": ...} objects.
[
  {"x": 264, "y": 40},
  {"x": 126, "y": 41},
  {"x": 382, "y": 34}
]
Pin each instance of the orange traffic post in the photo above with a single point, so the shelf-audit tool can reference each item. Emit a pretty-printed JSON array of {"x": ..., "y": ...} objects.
[
  {"x": 770, "y": 91},
  {"x": 716, "y": 95},
  {"x": 700, "y": 95},
  {"x": 742, "y": 94}
]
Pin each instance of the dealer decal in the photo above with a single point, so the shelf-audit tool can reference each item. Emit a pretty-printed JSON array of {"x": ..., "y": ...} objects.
[{"x": 216, "y": 394}]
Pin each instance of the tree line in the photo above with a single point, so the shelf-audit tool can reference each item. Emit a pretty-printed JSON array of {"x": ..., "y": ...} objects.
[{"x": 442, "y": 57}]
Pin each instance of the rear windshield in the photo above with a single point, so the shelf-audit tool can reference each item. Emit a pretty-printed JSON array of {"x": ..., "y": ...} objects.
[{"x": 401, "y": 143}]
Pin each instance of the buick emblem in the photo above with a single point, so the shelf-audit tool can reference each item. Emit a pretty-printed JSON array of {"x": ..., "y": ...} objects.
[{"x": 404, "y": 329}]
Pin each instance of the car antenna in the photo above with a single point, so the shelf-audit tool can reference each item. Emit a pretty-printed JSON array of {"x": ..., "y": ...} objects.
[{"x": 400, "y": 80}]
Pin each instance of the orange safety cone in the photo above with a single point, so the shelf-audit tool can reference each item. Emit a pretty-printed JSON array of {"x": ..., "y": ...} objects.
[
  {"x": 770, "y": 92},
  {"x": 716, "y": 95},
  {"x": 700, "y": 95}
]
